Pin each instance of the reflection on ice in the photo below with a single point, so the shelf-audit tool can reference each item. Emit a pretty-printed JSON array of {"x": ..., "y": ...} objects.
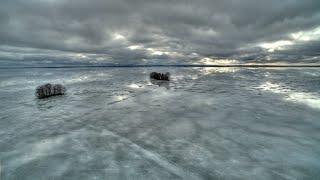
[
  {"x": 155, "y": 157},
  {"x": 135, "y": 86},
  {"x": 213, "y": 70},
  {"x": 207, "y": 123},
  {"x": 305, "y": 98},
  {"x": 292, "y": 95},
  {"x": 120, "y": 98},
  {"x": 40, "y": 149},
  {"x": 159, "y": 83}
]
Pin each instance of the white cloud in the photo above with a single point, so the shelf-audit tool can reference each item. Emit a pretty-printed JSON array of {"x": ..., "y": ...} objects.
[{"x": 277, "y": 45}]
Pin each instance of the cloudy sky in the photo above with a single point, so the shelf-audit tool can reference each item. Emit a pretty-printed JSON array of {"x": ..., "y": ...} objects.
[{"x": 159, "y": 31}]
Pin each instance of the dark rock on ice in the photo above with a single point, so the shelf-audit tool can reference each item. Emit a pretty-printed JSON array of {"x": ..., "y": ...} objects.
[
  {"x": 160, "y": 76},
  {"x": 48, "y": 90}
]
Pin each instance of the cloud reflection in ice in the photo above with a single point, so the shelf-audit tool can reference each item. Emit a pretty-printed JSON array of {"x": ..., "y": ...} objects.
[
  {"x": 206, "y": 123},
  {"x": 308, "y": 99}
]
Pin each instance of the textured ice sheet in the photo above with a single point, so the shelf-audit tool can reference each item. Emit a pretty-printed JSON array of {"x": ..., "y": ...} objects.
[{"x": 207, "y": 123}]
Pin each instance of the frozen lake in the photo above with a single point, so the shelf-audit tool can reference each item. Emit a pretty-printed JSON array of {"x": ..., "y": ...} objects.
[{"x": 207, "y": 123}]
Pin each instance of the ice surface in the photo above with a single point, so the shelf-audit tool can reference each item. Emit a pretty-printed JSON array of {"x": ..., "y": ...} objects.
[{"x": 207, "y": 123}]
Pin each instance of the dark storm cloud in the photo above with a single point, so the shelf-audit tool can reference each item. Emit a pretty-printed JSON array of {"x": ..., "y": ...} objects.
[{"x": 135, "y": 31}]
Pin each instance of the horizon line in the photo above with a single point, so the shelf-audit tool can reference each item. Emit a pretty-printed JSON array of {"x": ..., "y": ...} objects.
[{"x": 168, "y": 65}]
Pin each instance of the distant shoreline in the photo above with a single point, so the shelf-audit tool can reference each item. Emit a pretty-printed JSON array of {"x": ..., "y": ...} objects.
[{"x": 181, "y": 65}]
